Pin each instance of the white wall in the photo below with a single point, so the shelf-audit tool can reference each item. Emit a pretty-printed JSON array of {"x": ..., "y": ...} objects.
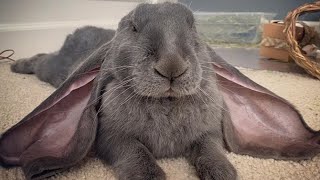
[
  {"x": 15, "y": 13},
  {"x": 36, "y": 26}
]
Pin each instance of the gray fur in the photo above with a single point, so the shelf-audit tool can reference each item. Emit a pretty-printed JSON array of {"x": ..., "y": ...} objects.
[
  {"x": 140, "y": 121},
  {"x": 55, "y": 67},
  {"x": 153, "y": 107}
]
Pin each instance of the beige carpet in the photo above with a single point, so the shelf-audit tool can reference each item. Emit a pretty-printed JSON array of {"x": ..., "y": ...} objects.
[{"x": 19, "y": 94}]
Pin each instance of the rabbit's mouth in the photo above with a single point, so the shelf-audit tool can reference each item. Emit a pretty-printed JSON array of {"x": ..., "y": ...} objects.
[
  {"x": 160, "y": 87},
  {"x": 170, "y": 93},
  {"x": 177, "y": 92},
  {"x": 165, "y": 81},
  {"x": 166, "y": 91},
  {"x": 170, "y": 90}
]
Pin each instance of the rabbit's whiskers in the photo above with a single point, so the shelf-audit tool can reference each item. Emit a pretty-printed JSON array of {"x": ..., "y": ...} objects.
[
  {"x": 111, "y": 91},
  {"x": 106, "y": 70},
  {"x": 124, "y": 81}
]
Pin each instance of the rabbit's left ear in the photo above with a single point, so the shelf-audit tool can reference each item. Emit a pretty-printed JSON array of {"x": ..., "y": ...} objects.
[
  {"x": 258, "y": 122},
  {"x": 61, "y": 130}
]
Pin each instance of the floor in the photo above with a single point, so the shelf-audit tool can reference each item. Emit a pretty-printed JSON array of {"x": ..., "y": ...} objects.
[{"x": 20, "y": 94}]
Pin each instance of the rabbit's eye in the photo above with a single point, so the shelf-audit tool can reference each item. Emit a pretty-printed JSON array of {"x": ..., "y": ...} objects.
[
  {"x": 196, "y": 44},
  {"x": 191, "y": 22},
  {"x": 133, "y": 27}
]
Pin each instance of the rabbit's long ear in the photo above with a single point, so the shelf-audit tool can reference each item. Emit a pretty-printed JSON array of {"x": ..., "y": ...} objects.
[
  {"x": 260, "y": 123},
  {"x": 61, "y": 130}
]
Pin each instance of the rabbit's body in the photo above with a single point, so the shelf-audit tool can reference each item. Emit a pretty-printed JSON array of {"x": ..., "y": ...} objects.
[
  {"x": 157, "y": 96},
  {"x": 154, "y": 91},
  {"x": 55, "y": 67},
  {"x": 163, "y": 100},
  {"x": 133, "y": 130}
]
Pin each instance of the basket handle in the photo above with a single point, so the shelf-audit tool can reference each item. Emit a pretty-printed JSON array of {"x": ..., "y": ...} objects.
[{"x": 295, "y": 52}]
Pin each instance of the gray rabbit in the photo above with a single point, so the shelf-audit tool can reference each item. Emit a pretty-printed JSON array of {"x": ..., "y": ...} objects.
[
  {"x": 157, "y": 103},
  {"x": 150, "y": 90},
  {"x": 163, "y": 101}
]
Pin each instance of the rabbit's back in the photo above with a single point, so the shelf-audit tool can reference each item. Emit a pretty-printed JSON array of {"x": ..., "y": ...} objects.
[{"x": 55, "y": 67}]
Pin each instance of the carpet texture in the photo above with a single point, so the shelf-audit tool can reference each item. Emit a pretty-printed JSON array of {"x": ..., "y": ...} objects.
[{"x": 20, "y": 94}]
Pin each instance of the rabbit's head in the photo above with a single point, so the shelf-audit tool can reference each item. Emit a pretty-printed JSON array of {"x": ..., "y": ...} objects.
[{"x": 158, "y": 52}]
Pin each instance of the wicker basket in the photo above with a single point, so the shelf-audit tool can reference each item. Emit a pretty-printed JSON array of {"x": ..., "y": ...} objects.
[{"x": 295, "y": 51}]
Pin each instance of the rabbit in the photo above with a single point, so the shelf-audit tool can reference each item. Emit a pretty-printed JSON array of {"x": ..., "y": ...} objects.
[
  {"x": 55, "y": 67},
  {"x": 153, "y": 89},
  {"x": 163, "y": 100}
]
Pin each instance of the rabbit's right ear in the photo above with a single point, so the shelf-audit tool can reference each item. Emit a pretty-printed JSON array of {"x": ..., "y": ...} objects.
[
  {"x": 62, "y": 129},
  {"x": 258, "y": 122}
]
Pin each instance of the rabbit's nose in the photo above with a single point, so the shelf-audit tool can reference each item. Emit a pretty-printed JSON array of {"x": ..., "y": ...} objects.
[{"x": 171, "y": 66}]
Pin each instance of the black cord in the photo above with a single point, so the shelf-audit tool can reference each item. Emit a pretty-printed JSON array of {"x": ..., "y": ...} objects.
[{"x": 2, "y": 57}]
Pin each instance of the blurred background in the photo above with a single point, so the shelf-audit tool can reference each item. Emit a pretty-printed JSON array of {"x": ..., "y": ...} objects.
[{"x": 35, "y": 26}]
